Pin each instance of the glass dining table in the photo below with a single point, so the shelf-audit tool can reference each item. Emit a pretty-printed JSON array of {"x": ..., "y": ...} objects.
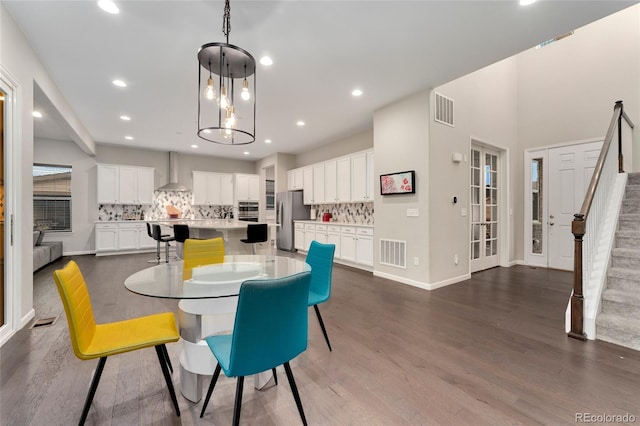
[{"x": 207, "y": 305}]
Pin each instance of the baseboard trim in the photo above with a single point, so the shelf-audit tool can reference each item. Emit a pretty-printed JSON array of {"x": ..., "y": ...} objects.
[
  {"x": 115, "y": 253},
  {"x": 419, "y": 284},
  {"x": 27, "y": 318},
  {"x": 515, "y": 262},
  {"x": 78, "y": 253}
]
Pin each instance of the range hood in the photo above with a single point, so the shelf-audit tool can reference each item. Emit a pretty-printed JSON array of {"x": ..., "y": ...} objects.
[{"x": 173, "y": 184}]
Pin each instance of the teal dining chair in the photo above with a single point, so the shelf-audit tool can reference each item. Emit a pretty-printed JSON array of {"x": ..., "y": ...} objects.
[
  {"x": 270, "y": 329},
  {"x": 320, "y": 258}
]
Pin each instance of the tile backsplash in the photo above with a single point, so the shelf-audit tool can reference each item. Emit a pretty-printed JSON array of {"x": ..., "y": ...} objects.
[
  {"x": 156, "y": 211},
  {"x": 357, "y": 213}
]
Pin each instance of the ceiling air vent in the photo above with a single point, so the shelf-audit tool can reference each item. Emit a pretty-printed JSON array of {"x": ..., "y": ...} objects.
[{"x": 444, "y": 110}]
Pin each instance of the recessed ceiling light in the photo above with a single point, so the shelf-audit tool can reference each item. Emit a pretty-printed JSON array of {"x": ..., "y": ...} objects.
[
  {"x": 108, "y": 6},
  {"x": 194, "y": 146},
  {"x": 246, "y": 153},
  {"x": 266, "y": 61},
  {"x": 129, "y": 138},
  {"x": 119, "y": 83},
  {"x": 125, "y": 118},
  {"x": 267, "y": 141},
  {"x": 300, "y": 123},
  {"x": 37, "y": 114},
  {"x": 357, "y": 92},
  {"x": 526, "y": 2}
]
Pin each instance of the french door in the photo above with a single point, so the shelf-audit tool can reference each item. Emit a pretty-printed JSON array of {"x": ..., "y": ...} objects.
[{"x": 484, "y": 243}]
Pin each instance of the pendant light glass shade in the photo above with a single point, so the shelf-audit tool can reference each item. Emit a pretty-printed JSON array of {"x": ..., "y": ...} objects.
[{"x": 230, "y": 71}]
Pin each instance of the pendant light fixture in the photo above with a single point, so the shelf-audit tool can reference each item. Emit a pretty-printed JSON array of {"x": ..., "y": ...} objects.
[{"x": 224, "y": 69}]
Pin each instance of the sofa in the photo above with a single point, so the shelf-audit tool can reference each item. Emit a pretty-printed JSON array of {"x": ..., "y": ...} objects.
[{"x": 44, "y": 252}]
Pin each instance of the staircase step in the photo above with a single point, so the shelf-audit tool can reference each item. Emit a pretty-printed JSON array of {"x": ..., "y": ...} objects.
[
  {"x": 633, "y": 179},
  {"x": 628, "y": 239},
  {"x": 619, "y": 330},
  {"x": 632, "y": 192},
  {"x": 631, "y": 206},
  {"x": 620, "y": 302},
  {"x": 629, "y": 222},
  {"x": 625, "y": 258},
  {"x": 623, "y": 279}
]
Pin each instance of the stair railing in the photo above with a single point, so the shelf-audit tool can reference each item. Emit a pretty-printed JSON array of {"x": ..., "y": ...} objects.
[{"x": 586, "y": 223}]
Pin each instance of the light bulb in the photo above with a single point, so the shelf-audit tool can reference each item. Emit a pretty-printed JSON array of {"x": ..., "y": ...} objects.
[
  {"x": 224, "y": 101},
  {"x": 245, "y": 90},
  {"x": 231, "y": 117},
  {"x": 209, "y": 92}
]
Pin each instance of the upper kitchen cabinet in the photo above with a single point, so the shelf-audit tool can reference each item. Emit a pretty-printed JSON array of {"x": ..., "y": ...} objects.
[
  {"x": 246, "y": 187},
  {"x": 307, "y": 185},
  {"x": 337, "y": 180},
  {"x": 362, "y": 178},
  {"x": 124, "y": 184},
  {"x": 295, "y": 179},
  {"x": 212, "y": 188}
]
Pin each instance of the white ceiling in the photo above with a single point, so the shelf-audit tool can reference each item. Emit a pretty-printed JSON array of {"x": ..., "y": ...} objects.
[{"x": 321, "y": 50}]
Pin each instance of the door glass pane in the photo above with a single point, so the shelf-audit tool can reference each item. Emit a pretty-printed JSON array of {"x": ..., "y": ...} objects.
[
  {"x": 536, "y": 206},
  {"x": 487, "y": 251},
  {"x": 476, "y": 251},
  {"x": 476, "y": 233}
]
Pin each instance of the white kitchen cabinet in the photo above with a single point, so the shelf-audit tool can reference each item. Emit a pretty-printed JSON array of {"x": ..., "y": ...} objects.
[
  {"x": 321, "y": 234},
  {"x": 333, "y": 237},
  {"x": 348, "y": 243},
  {"x": 135, "y": 185},
  {"x": 124, "y": 184},
  {"x": 362, "y": 178},
  {"x": 364, "y": 246},
  {"x": 107, "y": 179},
  {"x": 246, "y": 187},
  {"x": 144, "y": 240},
  {"x": 295, "y": 179},
  {"x": 343, "y": 180},
  {"x": 330, "y": 181},
  {"x": 106, "y": 237},
  {"x": 127, "y": 237},
  {"x": 298, "y": 236},
  {"x": 307, "y": 185},
  {"x": 318, "y": 184},
  {"x": 212, "y": 188},
  {"x": 309, "y": 235}
]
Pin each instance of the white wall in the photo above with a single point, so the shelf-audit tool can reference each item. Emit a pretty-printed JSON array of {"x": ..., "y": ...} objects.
[
  {"x": 19, "y": 61},
  {"x": 567, "y": 89},
  {"x": 485, "y": 109},
  {"x": 401, "y": 142},
  {"x": 84, "y": 208},
  {"x": 354, "y": 143}
]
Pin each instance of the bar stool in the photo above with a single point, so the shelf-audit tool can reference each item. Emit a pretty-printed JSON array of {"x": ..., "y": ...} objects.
[
  {"x": 150, "y": 234},
  {"x": 180, "y": 233},
  {"x": 166, "y": 239},
  {"x": 256, "y": 233}
]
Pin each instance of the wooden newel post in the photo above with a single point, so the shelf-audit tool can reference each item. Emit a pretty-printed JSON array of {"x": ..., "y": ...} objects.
[{"x": 577, "y": 299}]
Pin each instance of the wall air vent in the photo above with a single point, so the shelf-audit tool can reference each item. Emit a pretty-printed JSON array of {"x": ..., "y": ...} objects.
[
  {"x": 443, "y": 110},
  {"x": 393, "y": 253}
]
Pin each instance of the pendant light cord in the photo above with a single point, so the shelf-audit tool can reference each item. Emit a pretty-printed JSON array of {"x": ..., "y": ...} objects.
[{"x": 226, "y": 20}]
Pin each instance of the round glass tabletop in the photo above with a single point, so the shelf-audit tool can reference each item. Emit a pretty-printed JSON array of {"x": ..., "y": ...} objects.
[{"x": 211, "y": 281}]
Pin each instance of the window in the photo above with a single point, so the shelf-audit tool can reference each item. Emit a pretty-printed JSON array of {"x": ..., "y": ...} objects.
[{"x": 51, "y": 197}]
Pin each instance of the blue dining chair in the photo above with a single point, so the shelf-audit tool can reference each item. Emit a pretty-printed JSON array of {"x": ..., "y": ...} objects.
[
  {"x": 320, "y": 258},
  {"x": 270, "y": 329}
]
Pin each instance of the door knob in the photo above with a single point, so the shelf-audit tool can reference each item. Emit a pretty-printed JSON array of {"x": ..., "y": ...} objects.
[{"x": 551, "y": 223}]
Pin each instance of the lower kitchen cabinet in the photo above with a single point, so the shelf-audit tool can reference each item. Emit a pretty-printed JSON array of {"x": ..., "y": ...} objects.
[
  {"x": 126, "y": 237},
  {"x": 298, "y": 236}
]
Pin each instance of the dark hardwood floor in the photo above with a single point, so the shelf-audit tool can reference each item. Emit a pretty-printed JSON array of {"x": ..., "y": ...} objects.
[{"x": 491, "y": 350}]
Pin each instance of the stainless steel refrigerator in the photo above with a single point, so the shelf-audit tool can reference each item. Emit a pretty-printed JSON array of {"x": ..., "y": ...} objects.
[{"x": 289, "y": 207}]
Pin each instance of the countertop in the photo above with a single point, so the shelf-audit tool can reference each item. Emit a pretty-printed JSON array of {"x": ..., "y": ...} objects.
[
  {"x": 319, "y": 222},
  {"x": 154, "y": 220}
]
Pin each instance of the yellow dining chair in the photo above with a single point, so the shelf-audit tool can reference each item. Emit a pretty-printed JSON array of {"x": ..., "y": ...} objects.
[
  {"x": 201, "y": 252},
  {"x": 90, "y": 340}
]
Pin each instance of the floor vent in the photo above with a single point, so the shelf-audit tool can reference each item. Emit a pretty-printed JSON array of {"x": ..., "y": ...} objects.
[
  {"x": 43, "y": 322},
  {"x": 393, "y": 253},
  {"x": 444, "y": 110}
]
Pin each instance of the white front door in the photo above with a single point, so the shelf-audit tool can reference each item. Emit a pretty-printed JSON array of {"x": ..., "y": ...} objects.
[
  {"x": 570, "y": 170},
  {"x": 484, "y": 250}
]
